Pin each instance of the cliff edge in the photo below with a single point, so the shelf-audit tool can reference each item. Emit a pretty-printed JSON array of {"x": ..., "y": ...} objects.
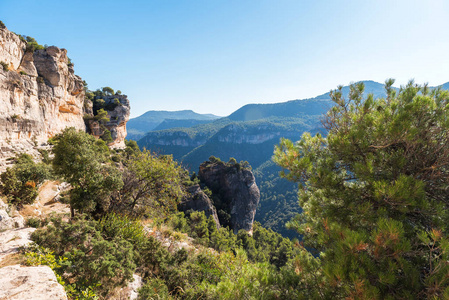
[{"x": 40, "y": 95}]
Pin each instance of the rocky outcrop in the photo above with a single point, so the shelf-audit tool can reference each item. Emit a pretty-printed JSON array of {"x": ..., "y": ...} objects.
[
  {"x": 237, "y": 190},
  {"x": 118, "y": 114},
  {"x": 7, "y": 221},
  {"x": 197, "y": 200},
  {"x": 40, "y": 95},
  {"x": 30, "y": 283},
  {"x": 11, "y": 240}
]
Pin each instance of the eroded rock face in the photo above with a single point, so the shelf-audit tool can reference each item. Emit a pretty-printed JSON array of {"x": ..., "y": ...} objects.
[
  {"x": 237, "y": 190},
  {"x": 197, "y": 200},
  {"x": 30, "y": 283},
  {"x": 40, "y": 96}
]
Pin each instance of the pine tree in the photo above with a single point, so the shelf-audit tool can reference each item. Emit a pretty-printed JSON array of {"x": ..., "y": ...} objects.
[{"x": 374, "y": 194}]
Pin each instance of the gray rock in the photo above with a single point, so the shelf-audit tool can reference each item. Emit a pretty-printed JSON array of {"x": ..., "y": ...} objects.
[
  {"x": 30, "y": 283},
  {"x": 237, "y": 189},
  {"x": 197, "y": 200},
  {"x": 11, "y": 240}
]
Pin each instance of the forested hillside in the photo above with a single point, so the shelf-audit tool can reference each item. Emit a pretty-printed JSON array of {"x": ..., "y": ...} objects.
[
  {"x": 138, "y": 127},
  {"x": 250, "y": 134}
]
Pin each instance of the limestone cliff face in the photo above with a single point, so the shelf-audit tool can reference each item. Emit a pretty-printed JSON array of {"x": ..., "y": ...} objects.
[
  {"x": 237, "y": 190},
  {"x": 40, "y": 96}
]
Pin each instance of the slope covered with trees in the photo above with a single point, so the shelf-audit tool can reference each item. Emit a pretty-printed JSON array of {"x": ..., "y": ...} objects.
[
  {"x": 374, "y": 194},
  {"x": 250, "y": 134}
]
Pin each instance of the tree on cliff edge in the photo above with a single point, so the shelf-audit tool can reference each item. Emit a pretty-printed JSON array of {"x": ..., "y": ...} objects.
[
  {"x": 82, "y": 161},
  {"x": 375, "y": 194}
]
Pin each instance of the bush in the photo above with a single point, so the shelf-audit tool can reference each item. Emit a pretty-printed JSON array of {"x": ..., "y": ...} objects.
[
  {"x": 154, "y": 288},
  {"x": 2, "y": 25},
  {"x": 32, "y": 44},
  {"x": 4, "y": 65},
  {"x": 19, "y": 183},
  {"x": 89, "y": 257},
  {"x": 106, "y": 136},
  {"x": 37, "y": 222}
]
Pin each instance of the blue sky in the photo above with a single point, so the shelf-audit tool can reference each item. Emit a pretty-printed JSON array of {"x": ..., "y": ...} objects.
[{"x": 214, "y": 56}]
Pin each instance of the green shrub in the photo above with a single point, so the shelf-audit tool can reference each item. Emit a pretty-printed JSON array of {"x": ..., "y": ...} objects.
[
  {"x": 23, "y": 73},
  {"x": 37, "y": 222},
  {"x": 19, "y": 183},
  {"x": 154, "y": 288},
  {"x": 4, "y": 65},
  {"x": 106, "y": 136},
  {"x": 88, "y": 256},
  {"x": 32, "y": 44}
]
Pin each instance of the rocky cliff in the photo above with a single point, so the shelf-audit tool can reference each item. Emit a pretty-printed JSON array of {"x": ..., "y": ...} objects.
[
  {"x": 197, "y": 200},
  {"x": 118, "y": 114},
  {"x": 235, "y": 190},
  {"x": 39, "y": 96}
]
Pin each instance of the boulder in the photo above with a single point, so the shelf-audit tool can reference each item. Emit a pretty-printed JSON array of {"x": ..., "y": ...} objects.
[
  {"x": 11, "y": 240},
  {"x": 30, "y": 283}
]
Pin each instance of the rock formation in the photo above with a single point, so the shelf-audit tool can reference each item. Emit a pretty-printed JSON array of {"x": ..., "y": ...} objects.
[
  {"x": 30, "y": 283},
  {"x": 197, "y": 200},
  {"x": 236, "y": 189},
  {"x": 118, "y": 117},
  {"x": 40, "y": 96},
  {"x": 7, "y": 221}
]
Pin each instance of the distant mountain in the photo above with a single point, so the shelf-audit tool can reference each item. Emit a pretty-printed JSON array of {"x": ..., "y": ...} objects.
[
  {"x": 137, "y": 127},
  {"x": 251, "y": 133},
  {"x": 183, "y": 123},
  {"x": 298, "y": 108}
]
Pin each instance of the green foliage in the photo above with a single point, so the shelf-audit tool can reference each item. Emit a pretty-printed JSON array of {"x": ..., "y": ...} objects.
[
  {"x": 32, "y": 44},
  {"x": 374, "y": 194},
  {"x": 82, "y": 161},
  {"x": 154, "y": 288},
  {"x": 264, "y": 245},
  {"x": 23, "y": 73},
  {"x": 124, "y": 227},
  {"x": 131, "y": 148},
  {"x": 278, "y": 199},
  {"x": 37, "y": 222},
  {"x": 4, "y": 65},
  {"x": 106, "y": 136},
  {"x": 20, "y": 183},
  {"x": 108, "y": 91},
  {"x": 102, "y": 116},
  {"x": 40, "y": 79},
  {"x": 152, "y": 185},
  {"x": 88, "y": 256}
]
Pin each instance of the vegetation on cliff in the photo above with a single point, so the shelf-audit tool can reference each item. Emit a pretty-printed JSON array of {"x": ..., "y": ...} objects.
[{"x": 374, "y": 194}]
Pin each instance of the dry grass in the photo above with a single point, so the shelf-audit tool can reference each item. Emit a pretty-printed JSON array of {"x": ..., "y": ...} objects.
[{"x": 12, "y": 259}]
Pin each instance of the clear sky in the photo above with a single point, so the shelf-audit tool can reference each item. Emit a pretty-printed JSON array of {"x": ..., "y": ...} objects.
[{"x": 214, "y": 56}]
